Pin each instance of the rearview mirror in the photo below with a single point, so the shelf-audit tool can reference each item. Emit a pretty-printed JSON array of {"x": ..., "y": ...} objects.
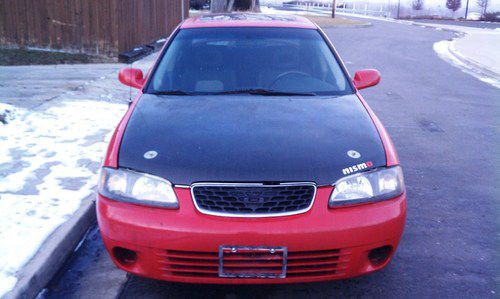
[
  {"x": 132, "y": 77},
  {"x": 366, "y": 78}
]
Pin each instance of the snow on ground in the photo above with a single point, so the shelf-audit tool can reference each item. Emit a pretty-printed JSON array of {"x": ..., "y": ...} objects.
[
  {"x": 445, "y": 50},
  {"x": 272, "y": 11},
  {"x": 48, "y": 165}
]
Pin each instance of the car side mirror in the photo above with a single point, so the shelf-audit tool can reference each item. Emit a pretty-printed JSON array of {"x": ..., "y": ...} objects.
[
  {"x": 366, "y": 78},
  {"x": 132, "y": 77}
]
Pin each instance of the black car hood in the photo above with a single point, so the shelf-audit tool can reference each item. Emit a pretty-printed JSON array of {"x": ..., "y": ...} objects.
[{"x": 249, "y": 138}]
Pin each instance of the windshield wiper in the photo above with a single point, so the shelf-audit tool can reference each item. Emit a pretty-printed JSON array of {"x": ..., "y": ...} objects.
[
  {"x": 254, "y": 91},
  {"x": 176, "y": 92},
  {"x": 266, "y": 92}
]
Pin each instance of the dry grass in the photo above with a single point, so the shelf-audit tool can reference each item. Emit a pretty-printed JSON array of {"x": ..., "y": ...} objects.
[{"x": 31, "y": 57}]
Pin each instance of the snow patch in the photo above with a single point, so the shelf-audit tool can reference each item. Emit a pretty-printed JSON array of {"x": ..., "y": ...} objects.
[
  {"x": 385, "y": 19},
  {"x": 445, "y": 50},
  {"x": 51, "y": 158},
  {"x": 273, "y": 11},
  {"x": 7, "y": 283}
]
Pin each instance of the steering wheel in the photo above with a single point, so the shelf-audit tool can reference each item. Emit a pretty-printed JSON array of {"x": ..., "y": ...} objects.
[{"x": 288, "y": 73}]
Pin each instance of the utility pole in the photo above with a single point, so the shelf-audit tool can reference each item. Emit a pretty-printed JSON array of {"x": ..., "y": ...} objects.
[
  {"x": 466, "y": 9},
  {"x": 399, "y": 6}
]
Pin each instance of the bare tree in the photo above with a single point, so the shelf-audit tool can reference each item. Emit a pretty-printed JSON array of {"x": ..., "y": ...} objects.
[
  {"x": 219, "y": 6},
  {"x": 483, "y": 4},
  {"x": 417, "y": 4},
  {"x": 453, "y": 5}
]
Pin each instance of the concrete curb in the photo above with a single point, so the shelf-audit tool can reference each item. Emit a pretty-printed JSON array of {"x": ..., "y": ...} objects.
[
  {"x": 56, "y": 249},
  {"x": 473, "y": 66},
  {"x": 481, "y": 69}
]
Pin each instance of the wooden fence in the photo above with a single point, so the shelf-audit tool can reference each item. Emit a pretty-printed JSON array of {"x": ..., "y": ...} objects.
[{"x": 104, "y": 27}]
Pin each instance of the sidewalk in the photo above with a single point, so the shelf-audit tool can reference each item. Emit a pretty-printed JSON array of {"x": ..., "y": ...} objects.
[
  {"x": 50, "y": 150},
  {"x": 482, "y": 48},
  {"x": 478, "y": 46}
]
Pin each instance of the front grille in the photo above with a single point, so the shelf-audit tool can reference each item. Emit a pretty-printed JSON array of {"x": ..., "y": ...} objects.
[
  {"x": 326, "y": 264},
  {"x": 253, "y": 199},
  {"x": 190, "y": 263}
]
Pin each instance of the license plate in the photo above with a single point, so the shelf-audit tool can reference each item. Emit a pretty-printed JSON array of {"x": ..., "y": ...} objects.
[{"x": 252, "y": 261}]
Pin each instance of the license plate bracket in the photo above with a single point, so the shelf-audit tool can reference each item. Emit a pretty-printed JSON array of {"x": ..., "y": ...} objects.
[{"x": 252, "y": 261}]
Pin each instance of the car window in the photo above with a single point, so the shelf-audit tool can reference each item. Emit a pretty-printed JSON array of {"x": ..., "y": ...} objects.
[{"x": 215, "y": 60}]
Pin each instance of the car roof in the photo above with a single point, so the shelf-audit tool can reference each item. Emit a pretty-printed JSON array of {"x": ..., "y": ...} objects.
[{"x": 247, "y": 20}]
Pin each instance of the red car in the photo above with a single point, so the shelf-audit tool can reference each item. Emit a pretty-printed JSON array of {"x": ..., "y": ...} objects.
[{"x": 249, "y": 157}]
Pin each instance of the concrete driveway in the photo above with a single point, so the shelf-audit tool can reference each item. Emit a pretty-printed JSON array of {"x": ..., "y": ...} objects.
[{"x": 445, "y": 125}]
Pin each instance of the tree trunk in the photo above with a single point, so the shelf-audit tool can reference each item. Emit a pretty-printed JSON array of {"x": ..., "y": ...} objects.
[
  {"x": 218, "y": 6},
  {"x": 334, "y": 8},
  {"x": 221, "y": 6},
  {"x": 230, "y": 5},
  {"x": 255, "y": 6}
]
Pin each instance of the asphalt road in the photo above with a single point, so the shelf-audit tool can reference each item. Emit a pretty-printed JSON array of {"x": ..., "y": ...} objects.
[{"x": 445, "y": 125}]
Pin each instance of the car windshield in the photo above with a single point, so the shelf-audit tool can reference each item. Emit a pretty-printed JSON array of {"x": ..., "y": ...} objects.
[{"x": 266, "y": 61}]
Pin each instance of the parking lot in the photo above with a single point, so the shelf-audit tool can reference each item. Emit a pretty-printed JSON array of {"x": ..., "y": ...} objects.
[{"x": 444, "y": 124}]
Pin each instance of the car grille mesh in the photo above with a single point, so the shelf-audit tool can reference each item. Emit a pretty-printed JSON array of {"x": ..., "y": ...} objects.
[
  {"x": 300, "y": 264},
  {"x": 255, "y": 200}
]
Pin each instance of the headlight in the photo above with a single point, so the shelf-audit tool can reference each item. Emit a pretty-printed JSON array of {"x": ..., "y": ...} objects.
[
  {"x": 377, "y": 185},
  {"x": 131, "y": 186}
]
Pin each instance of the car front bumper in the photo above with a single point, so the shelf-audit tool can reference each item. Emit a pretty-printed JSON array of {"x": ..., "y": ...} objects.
[{"x": 183, "y": 245}]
